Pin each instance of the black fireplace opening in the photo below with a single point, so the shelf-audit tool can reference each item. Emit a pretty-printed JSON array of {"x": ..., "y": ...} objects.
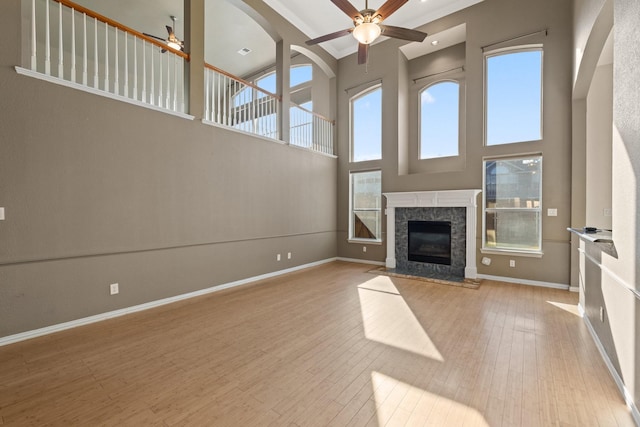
[{"x": 430, "y": 241}]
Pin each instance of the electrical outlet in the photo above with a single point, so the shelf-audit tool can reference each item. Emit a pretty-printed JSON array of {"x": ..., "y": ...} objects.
[
  {"x": 606, "y": 212},
  {"x": 602, "y": 314},
  {"x": 114, "y": 288},
  {"x": 278, "y": 257},
  {"x": 552, "y": 212},
  {"x": 364, "y": 249},
  {"x": 486, "y": 261},
  {"x": 512, "y": 263},
  {"x": 288, "y": 255}
]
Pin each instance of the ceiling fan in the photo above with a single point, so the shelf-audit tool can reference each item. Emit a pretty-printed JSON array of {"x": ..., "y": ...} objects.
[
  {"x": 171, "y": 40},
  {"x": 367, "y": 26}
]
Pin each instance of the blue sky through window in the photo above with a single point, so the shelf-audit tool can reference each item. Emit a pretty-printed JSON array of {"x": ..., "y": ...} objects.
[
  {"x": 300, "y": 74},
  {"x": 514, "y": 96},
  {"x": 367, "y": 126},
  {"x": 439, "y": 120}
]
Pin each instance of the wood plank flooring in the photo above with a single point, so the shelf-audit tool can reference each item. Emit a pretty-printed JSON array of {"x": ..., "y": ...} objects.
[{"x": 332, "y": 345}]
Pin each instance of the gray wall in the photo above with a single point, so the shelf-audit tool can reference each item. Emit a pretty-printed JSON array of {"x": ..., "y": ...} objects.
[
  {"x": 611, "y": 278},
  {"x": 97, "y": 191},
  {"x": 486, "y": 23}
]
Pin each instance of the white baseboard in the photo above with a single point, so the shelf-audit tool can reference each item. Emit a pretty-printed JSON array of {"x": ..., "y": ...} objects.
[
  {"x": 361, "y": 261},
  {"x": 574, "y": 288},
  {"x": 11, "y": 339},
  {"x": 525, "y": 282},
  {"x": 628, "y": 398}
]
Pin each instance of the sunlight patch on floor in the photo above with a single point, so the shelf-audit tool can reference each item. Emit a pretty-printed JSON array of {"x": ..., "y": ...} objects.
[
  {"x": 388, "y": 319},
  {"x": 570, "y": 308},
  {"x": 402, "y": 403}
]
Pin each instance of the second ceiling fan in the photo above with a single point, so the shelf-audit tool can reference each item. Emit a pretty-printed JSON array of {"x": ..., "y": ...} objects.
[
  {"x": 171, "y": 40},
  {"x": 367, "y": 26}
]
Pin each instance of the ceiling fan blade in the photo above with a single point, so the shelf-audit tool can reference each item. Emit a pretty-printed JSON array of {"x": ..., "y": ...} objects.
[
  {"x": 155, "y": 37},
  {"x": 169, "y": 30},
  {"x": 347, "y": 8},
  {"x": 389, "y": 7},
  {"x": 363, "y": 53},
  {"x": 402, "y": 33},
  {"x": 331, "y": 36}
]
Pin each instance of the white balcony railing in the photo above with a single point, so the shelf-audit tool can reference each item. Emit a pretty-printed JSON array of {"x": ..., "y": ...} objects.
[
  {"x": 310, "y": 130},
  {"x": 231, "y": 101},
  {"x": 75, "y": 44}
]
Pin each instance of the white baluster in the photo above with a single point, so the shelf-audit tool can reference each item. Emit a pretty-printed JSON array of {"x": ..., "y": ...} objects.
[
  {"x": 206, "y": 94},
  {"x": 60, "y": 44},
  {"x": 160, "y": 80},
  {"x": 34, "y": 57},
  {"x": 116, "y": 83},
  {"x": 144, "y": 71},
  {"x": 135, "y": 67},
  {"x": 168, "y": 92},
  {"x": 182, "y": 107},
  {"x": 126, "y": 64},
  {"x": 95, "y": 53},
  {"x": 175, "y": 83},
  {"x": 152, "y": 98},
  {"x": 106, "y": 57},
  {"x": 84, "y": 50},
  {"x": 73, "y": 45},
  {"x": 47, "y": 41}
]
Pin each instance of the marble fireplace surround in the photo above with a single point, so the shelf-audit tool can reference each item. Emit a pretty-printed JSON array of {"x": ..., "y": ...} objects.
[{"x": 444, "y": 198}]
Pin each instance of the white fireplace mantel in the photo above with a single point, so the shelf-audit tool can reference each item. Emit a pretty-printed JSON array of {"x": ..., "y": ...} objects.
[{"x": 444, "y": 198}]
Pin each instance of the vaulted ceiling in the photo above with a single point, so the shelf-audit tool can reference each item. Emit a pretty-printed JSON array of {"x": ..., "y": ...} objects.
[{"x": 228, "y": 29}]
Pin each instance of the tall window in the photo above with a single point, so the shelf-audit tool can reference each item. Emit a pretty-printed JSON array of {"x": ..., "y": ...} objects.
[
  {"x": 512, "y": 204},
  {"x": 366, "y": 126},
  {"x": 513, "y": 96},
  {"x": 439, "y": 120},
  {"x": 365, "y": 221}
]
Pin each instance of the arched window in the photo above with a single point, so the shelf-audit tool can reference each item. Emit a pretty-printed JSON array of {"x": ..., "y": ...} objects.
[
  {"x": 300, "y": 74},
  {"x": 440, "y": 120},
  {"x": 366, "y": 125}
]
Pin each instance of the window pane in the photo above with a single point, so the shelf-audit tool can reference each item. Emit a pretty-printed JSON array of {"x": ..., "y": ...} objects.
[
  {"x": 519, "y": 230},
  {"x": 300, "y": 74},
  {"x": 267, "y": 83},
  {"x": 512, "y": 197},
  {"x": 514, "y": 97},
  {"x": 513, "y": 183},
  {"x": 366, "y": 225},
  {"x": 439, "y": 116},
  {"x": 366, "y": 119},
  {"x": 366, "y": 200},
  {"x": 366, "y": 190}
]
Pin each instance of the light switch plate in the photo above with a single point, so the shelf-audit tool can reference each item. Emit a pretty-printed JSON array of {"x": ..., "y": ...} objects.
[
  {"x": 552, "y": 212},
  {"x": 1, "y": 214}
]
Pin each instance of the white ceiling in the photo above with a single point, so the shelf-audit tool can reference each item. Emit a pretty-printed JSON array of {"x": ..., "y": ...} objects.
[
  {"x": 228, "y": 29},
  {"x": 412, "y": 14}
]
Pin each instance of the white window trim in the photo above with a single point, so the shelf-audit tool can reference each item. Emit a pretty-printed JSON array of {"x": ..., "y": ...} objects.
[
  {"x": 350, "y": 238},
  {"x": 504, "y": 51},
  {"x": 537, "y": 253},
  {"x": 460, "y": 116}
]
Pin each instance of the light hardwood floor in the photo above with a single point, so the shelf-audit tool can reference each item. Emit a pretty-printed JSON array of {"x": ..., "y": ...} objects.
[{"x": 331, "y": 345}]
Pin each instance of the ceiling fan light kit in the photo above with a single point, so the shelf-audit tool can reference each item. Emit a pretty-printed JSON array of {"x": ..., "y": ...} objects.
[
  {"x": 366, "y": 32},
  {"x": 367, "y": 26}
]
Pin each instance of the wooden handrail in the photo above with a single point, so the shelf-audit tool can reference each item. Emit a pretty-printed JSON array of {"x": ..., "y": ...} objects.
[
  {"x": 241, "y": 80},
  {"x": 333, "y": 122},
  {"x": 119, "y": 26}
]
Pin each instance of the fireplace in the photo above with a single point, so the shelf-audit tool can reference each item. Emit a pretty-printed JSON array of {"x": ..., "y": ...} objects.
[
  {"x": 430, "y": 242},
  {"x": 458, "y": 207}
]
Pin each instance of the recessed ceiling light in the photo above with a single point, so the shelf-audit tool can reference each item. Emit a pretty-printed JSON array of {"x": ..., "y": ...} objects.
[
  {"x": 434, "y": 43},
  {"x": 244, "y": 51}
]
